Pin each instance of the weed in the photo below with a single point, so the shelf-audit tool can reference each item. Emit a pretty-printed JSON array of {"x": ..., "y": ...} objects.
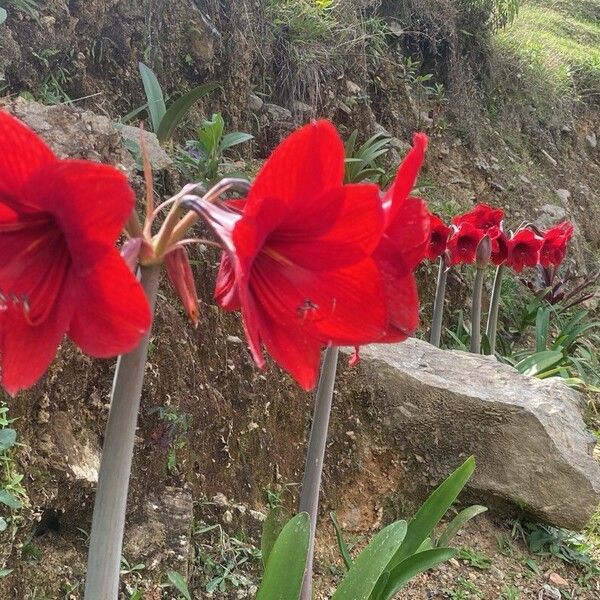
[
  {"x": 510, "y": 593},
  {"x": 475, "y": 559},
  {"x": 465, "y": 590},
  {"x": 171, "y": 432}
]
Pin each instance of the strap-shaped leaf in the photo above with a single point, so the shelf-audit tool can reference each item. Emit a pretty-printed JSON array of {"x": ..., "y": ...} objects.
[
  {"x": 233, "y": 139},
  {"x": 459, "y": 520},
  {"x": 432, "y": 510},
  {"x": 411, "y": 567},
  {"x": 343, "y": 547},
  {"x": 179, "y": 109},
  {"x": 272, "y": 527},
  {"x": 285, "y": 569},
  {"x": 154, "y": 95},
  {"x": 371, "y": 563},
  {"x": 3, "y": 15}
]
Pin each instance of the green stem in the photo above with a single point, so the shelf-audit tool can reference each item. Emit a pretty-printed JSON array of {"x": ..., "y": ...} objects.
[
  {"x": 492, "y": 323},
  {"x": 476, "y": 312},
  {"x": 311, "y": 485},
  {"x": 108, "y": 523},
  {"x": 438, "y": 305}
]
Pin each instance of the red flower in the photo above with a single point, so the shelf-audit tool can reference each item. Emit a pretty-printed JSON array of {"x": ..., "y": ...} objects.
[
  {"x": 440, "y": 232},
  {"x": 297, "y": 258},
  {"x": 403, "y": 246},
  {"x": 554, "y": 247},
  {"x": 523, "y": 250},
  {"x": 60, "y": 272},
  {"x": 463, "y": 243},
  {"x": 482, "y": 217},
  {"x": 499, "y": 245}
]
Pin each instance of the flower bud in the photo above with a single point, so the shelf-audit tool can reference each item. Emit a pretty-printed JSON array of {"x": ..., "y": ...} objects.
[
  {"x": 484, "y": 252},
  {"x": 181, "y": 277}
]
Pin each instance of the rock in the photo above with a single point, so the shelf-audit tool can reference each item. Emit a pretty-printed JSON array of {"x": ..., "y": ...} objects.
[
  {"x": 592, "y": 140},
  {"x": 160, "y": 537},
  {"x": 532, "y": 447},
  {"x": 278, "y": 113},
  {"x": 255, "y": 104},
  {"x": 563, "y": 194},
  {"x": 549, "y": 593},
  {"x": 353, "y": 88},
  {"x": 303, "y": 111},
  {"x": 556, "y": 580},
  {"x": 73, "y": 133},
  {"x": 549, "y": 215},
  {"x": 159, "y": 159}
]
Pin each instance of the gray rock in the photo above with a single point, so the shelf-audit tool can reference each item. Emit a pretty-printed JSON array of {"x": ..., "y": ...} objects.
[
  {"x": 278, "y": 113},
  {"x": 159, "y": 159},
  {"x": 549, "y": 215},
  {"x": 255, "y": 104},
  {"x": 528, "y": 436},
  {"x": 353, "y": 88},
  {"x": 563, "y": 194},
  {"x": 592, "y": 140}
]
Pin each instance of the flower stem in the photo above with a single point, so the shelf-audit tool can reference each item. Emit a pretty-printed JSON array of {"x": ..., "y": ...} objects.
[
  {"x": 476, "y": 312},
  {"x": 108, "y": 523},
  {"x": 438, "y": 305},
  {"x": 311, "y": 485},
  {"x": 492, "y": 323}
]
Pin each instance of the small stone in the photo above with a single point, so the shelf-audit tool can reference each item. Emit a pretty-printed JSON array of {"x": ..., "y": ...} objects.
[
  {"x": 220, "y": 499},
  {"x": 228, "y": 516},
  {"x": 353, "y": 88},
  {"x": 558, "y": 581},
  {"x": 497, "y": 573},
  {"x": 563, "y": 194},
  {"x": 255, "y": 103},
  {"x": 233, "y": 339},
  {"x": 549, "y": 593},
  {"x": 592, "y": 140}
]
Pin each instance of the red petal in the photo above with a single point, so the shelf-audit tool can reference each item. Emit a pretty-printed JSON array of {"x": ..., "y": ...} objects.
[
  {"x": 226, "y": 293},
  {"x": 25, "y": 350},
  {"x": 89, "y": 201},
  {"x": 307, "y": 163},
  {"x": 111, "y": 313},
  {"x": 179, "y": 272},
  {"x": 22, "y": 152},
  {"x": 296, "y": 352},
  {"x": 403, "y": 307},
  {"x": 409, "y": 232},
  {"x": 407, "y": 174},
  {"x": 352, "y": 236}
]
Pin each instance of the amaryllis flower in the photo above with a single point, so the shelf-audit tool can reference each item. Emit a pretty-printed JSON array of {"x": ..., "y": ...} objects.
[
  {"x": 499, "y": 245},
  {"x": 523, "y": 250},
  {"x": 297, "y": 257},
  {"x": 555, "y": 241},
  {"x": 60, "y": 272},
  {"x": 482, "y": 217},
  {"x": 463, "y": 243},
  {"x": 438, "y": 241}
]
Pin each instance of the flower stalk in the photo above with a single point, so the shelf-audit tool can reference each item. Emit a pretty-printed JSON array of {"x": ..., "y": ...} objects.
[
  {"x": 492, "y": 322},
  {"x": 484, "y": 252},
  {"x": 311, "y": 485},
  {"x": 438, "y": 304},
  {"x": 108, "y": 523}
]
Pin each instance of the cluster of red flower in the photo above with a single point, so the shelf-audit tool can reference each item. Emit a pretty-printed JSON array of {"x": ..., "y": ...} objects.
[{"x": 527, "y": 247}]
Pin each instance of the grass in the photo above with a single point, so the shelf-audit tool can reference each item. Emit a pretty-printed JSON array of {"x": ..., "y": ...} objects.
[{"x": 555, "y": 47}]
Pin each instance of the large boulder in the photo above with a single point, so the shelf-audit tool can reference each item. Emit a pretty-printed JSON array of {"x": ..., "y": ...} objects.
[{"x": 532, "y": 447}]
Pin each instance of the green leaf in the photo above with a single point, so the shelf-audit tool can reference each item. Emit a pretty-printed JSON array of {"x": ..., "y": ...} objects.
[
  {"x": 8, "y": 437},
  {"x": 154, "y": 95},
  {"x": 539, "y": 362},
  {"x": 9, "y": 500},
  {"x": 343, "y": 547},
  {"x": 459, "y": 520},
  {"x": 179, "y": 582},
  {"x": 5, "y": 572},
  {"x": 3, "y": 15},
  {"x": 233, "y": 139},
  {"x": 210, "y": 134},
  {"x": 542, "y": 323},
  {"x": 371, "y": 563},
  {"x": 379, "y": 589},
  {"x": 272, "y": 527},
  {"x": 283, "y": 576},
  {"x": 432, "y": 510},
  {"x": 412, "y": 566},
  {"x": 3, "y": 524},
  {"x": 179, "y": 109}
]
